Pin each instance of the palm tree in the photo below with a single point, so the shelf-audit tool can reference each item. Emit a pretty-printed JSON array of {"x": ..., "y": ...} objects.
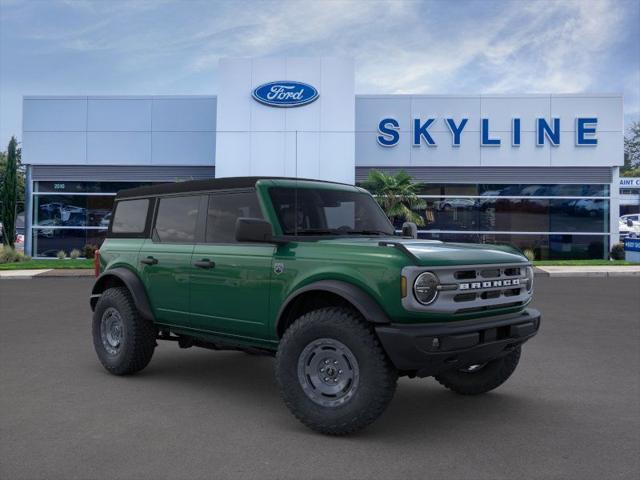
[{"x": 396, "y": 194}]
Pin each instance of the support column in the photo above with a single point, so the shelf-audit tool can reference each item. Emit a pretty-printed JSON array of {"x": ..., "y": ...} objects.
[
  {"x": 614, "y": 208},
  {"x": 28, "y": 211}
]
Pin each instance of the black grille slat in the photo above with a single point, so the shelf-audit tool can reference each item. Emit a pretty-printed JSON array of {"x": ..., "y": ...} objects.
[
  {"x": 489, "y": 307},
  {"x": 464, "y": 297},
  {"x": 490, "y": 273},
  {"x": 465, "y": 275}
]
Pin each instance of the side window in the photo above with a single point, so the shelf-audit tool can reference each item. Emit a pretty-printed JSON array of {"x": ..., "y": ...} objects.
[
  {"x": 176, "y": 219},
  {"x": 224, "y": 210},
  {"x": 130, "y": 216}
]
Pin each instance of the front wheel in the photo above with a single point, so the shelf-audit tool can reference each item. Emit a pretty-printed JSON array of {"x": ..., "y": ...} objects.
[
  {"x": 333, "y": 373},
  {"x": 477, "y": 379}
]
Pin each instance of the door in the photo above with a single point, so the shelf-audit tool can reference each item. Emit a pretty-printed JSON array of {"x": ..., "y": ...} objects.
[
  {"x": 165, "y": 259},
  {"x": 229, "y": 280}
]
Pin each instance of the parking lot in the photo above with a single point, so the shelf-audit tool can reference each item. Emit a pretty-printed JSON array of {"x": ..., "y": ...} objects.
[{"x": 571, "y": 410}]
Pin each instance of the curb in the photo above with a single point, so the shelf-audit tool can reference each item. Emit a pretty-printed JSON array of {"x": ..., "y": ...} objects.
[
  {"x": 70, "y": 273},
  {"x": 587, "y": 272},
  {"x": 540, "y": 273},
  {"x": 44, "y": 273},
  {"x": 590, "y": 274}
]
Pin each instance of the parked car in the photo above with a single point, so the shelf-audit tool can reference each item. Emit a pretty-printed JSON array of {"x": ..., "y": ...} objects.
[
  {"x": 19, "y": 241},
  {"x": 311, "y": 273},
  {"x": 104, "y": 221},
  {"x": 635, "y": 218},
  {"x": 627, "y": 228},
  {"x": 454, "y": 203}
]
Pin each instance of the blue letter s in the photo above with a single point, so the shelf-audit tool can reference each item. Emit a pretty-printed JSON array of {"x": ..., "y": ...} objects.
[{"x": 387, "y": 131}]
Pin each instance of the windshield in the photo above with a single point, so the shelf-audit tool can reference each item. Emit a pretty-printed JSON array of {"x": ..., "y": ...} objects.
[{"x": 311, "y": 211}]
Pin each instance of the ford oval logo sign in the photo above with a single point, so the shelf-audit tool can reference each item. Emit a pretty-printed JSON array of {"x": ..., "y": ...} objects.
[{"x": 285, "y": 94}]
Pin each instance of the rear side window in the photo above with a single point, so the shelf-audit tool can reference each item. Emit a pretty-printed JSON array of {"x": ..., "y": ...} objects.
[
  {"x": 130, "y": 216},
  {"x": 176, "y": 219},
  {"x": 224, "y": 210}
]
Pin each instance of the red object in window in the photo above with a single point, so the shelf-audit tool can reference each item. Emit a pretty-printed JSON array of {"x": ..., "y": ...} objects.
[{"x": 96, "y": 263}]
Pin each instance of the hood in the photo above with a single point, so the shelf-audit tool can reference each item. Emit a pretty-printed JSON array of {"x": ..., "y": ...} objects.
[
  {"x": 431, "y": 253},
  {"x": 435, "y": 253}
]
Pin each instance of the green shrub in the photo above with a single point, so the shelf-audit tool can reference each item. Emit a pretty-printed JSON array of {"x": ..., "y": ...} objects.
[
  {"x": 530, "y": 254},
  {"x": 75, "y": 253},
  {"x": 61, "y": 254},
  {"x": 617, "y": 252},
  {"x": 90, "y": 250},
  {"x": 10, "y": 255},
  {"x": 7, "y": 254}
]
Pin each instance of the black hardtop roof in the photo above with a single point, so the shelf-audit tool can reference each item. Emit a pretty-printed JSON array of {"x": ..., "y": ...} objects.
[{"x": 203, "y": 185}]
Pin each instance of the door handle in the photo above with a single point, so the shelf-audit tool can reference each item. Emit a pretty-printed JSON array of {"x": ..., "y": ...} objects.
[
  {"x": 149, "y": 261},
  {"x": 204, "y": 263}
]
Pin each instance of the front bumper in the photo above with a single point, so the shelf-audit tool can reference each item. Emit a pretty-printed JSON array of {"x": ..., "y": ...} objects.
[{"x": 428, "y": 349}]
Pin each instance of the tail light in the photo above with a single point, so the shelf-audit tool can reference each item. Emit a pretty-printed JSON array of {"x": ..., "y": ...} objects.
[{"x": 96, "y": 263}]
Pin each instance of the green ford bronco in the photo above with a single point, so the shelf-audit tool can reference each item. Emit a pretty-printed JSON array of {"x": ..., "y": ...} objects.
[{"x": 313, "y": 273}]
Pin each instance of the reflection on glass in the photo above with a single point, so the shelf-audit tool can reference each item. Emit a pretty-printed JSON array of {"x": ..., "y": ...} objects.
[
  {"x": 48, "y": 241},
  {"x": 86, "y": 187},
  {"x": 513, "y": 214},
  {"x": 524, "y": 190},
  {"x": 545, "y": 247},
  {"x": 71, "y": 210}
]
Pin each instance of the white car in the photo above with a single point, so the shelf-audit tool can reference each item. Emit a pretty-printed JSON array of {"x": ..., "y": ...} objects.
[
  {"x": 628, "y": 229},
  {"x": 635, "y": 218},
  {"x": 451, "y": 203}
]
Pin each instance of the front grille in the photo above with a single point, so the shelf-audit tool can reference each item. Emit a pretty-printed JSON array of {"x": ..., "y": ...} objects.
[{"x": 473, "y": 288}]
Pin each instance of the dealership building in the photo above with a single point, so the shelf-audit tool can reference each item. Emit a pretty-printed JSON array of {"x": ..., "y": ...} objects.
[{"x": 538, "y": 171}]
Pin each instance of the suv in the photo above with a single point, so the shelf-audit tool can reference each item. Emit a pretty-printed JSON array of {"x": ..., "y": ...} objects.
[{"x": 313, "y": 273}]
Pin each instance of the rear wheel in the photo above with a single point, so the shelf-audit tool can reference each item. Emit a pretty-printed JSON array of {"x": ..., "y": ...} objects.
[
  {"x": 481, "y": 378},
  {"x": 332, "y": 372},
  {"x": 123, "y": 340}
]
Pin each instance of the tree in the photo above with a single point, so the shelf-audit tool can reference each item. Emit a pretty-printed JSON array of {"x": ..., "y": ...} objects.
[
  {"x": 19, "y": 172},
  {"x": 631, "y": 166},
  {"x": 8, "y": 194},
  {"x": 397, "y": 195}
]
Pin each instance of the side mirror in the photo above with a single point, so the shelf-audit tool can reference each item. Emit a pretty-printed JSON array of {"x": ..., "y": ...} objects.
[
  {"x": 409, "y": 229},
  {"x": 253, "y": 230}
]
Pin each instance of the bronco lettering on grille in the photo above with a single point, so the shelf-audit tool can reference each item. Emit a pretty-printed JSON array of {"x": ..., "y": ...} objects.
[{"x": 489, "y": 284}]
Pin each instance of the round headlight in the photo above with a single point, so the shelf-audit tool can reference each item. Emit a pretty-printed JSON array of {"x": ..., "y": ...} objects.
[
  {"x": 425, "y": 288},
  {"x": 529, "y": 274}
]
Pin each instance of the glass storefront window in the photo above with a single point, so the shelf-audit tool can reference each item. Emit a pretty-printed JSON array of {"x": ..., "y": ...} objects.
[
  {"x": 513, "y": 214},
  {"x": 48, "y": 241},
  {"x": 519, "y": 190},
  {"x": 85, "y": 187},
  {"x": 545, "y": 247},
  {"x": 71, "y": 210}
]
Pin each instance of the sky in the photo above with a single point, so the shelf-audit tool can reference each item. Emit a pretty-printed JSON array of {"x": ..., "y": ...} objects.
[{"x": 111, "y": 47}]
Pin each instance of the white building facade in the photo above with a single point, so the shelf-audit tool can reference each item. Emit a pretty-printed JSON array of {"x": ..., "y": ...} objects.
[{"x": 538, "y": 171}]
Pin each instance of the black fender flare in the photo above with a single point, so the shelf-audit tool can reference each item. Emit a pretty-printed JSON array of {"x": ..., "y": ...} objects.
[
  {"x": 133, "y": 284},
  {"x": 362, "y": 301}
]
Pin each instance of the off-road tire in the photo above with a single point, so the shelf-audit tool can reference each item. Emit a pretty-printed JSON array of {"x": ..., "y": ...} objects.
[
  {"x": 377, "y": 376},
  {"x": 490, "y": 376},
  {"x": 138, "y": 334}
]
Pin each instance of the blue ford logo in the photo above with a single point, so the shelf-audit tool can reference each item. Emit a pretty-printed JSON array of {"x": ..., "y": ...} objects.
[{"x": 285, "y": 94}]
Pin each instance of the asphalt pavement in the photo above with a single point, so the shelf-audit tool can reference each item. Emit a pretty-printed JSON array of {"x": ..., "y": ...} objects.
[{"x": 571, "y": 410}]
